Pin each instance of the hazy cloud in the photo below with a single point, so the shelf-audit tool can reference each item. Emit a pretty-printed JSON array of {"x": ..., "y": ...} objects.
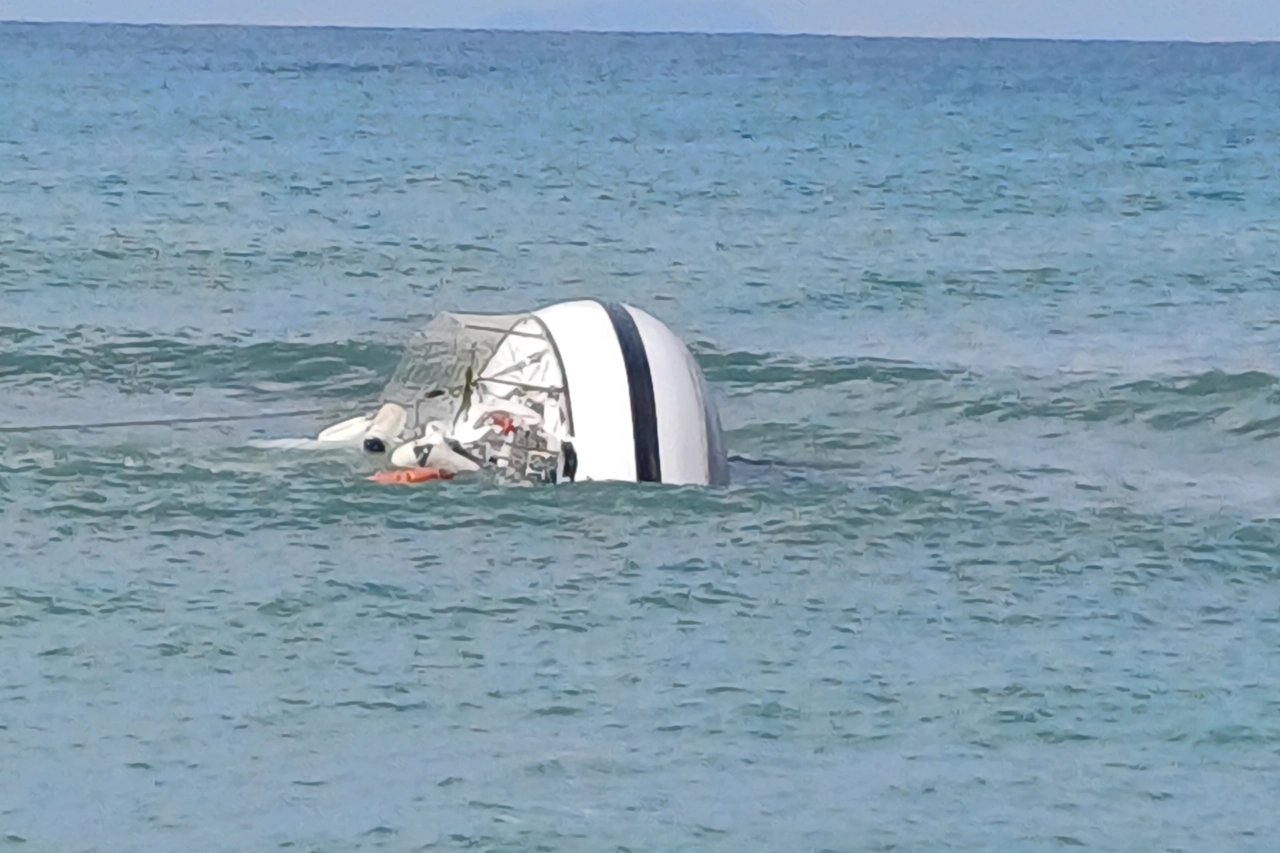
[{"x": 630, "y": 15}]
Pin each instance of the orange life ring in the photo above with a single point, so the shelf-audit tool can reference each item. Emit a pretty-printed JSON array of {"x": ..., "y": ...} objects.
[{"x": 404, "y": 476}]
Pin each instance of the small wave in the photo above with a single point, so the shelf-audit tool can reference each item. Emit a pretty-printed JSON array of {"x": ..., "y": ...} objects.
[
  {"x": 1205, "y": 384},
  {"x": 1242, "y": 403},
  {"x": 151, "y": 363},
  {"x": 433, "y": 69},
  {"x": 772, "y": 371}
]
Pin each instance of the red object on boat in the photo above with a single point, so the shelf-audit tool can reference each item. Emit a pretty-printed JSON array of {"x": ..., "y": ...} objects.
[{"x": 504, "y": 422}]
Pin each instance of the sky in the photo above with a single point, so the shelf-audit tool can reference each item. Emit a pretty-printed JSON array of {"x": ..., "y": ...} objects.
[{"x": 1191, "y": 20}]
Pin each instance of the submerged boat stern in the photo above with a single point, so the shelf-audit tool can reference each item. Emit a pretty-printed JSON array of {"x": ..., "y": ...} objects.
[{"x": 581, "y": 390}]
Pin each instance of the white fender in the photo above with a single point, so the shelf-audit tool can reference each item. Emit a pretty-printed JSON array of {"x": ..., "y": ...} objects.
[{"x": 348, "y": 431}]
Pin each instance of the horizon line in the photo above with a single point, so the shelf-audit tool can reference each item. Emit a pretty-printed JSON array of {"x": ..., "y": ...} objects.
[{"x": 608, "y": 31}]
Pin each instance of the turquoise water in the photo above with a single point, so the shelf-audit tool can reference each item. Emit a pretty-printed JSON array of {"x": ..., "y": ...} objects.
[{"x": 995, "y": 327}]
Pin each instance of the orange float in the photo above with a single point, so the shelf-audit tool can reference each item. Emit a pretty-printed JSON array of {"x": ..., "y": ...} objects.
[{"x": 405, "y": 476}]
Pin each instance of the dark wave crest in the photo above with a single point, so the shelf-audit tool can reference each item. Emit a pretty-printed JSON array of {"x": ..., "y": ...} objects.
[{"x": 148, "y": 363}]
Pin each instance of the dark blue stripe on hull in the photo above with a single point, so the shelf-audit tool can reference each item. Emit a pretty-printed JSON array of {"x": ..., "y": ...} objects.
[{"x": 644, "y": 412}]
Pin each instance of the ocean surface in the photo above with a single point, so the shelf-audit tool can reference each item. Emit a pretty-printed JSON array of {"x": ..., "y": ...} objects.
[{"x": 995, "y": 328}]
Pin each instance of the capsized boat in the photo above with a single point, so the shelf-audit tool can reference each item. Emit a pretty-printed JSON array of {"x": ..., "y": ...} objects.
[{"x": 581, "y": 390}]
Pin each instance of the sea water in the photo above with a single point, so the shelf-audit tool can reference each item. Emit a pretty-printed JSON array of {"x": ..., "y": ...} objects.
[{"x": 995, "y": 329}]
